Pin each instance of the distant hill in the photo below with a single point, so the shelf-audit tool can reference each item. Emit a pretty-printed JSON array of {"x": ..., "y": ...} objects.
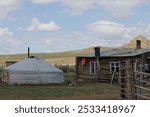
[
  {"x": 55, "y": 55},
  {"x": 68, "y": 57},
  {"x": 60, "y": 58},
  {"x": 145, "y": 42}
]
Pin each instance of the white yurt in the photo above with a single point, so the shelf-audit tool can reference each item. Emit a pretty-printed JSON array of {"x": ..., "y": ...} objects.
[{"x": 32, "y": 70}]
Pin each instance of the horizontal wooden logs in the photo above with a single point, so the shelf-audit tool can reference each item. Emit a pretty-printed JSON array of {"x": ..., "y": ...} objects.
[
  {"x": 142, "y": 96},
  {"x": 140, "y": 87},
  {"x": 143, "y": 73}
]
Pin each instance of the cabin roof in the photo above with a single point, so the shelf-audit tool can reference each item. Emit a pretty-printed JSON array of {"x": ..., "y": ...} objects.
[{"x": 121, "y": 52}]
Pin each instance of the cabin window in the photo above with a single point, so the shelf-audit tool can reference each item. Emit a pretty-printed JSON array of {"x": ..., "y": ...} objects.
[
  {"x": 114, "y": 66},
  {"x": 93, "y": 67}
]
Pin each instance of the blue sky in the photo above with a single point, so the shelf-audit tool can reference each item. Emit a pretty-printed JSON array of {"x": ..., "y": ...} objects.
[{"x": 62, "y": 25}]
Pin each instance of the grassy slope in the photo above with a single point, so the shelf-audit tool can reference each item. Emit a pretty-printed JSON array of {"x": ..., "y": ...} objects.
[
  {"x": 53, "y": 55},
  {"x": 55, "y": 58},
  {"x": 84, "y": 91}
]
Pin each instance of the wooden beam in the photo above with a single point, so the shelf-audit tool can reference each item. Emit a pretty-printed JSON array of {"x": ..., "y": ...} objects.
[
  {"x": 145, "y": 97},
  {"x": 113, "y": 75},
  {"x": 140, "y": 87},
  {"x": 138, "y": 72}
]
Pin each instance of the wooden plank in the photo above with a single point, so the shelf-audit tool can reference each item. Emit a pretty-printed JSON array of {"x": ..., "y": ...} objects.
[
  {"x": 145, "y": 97},
  {"x": 135, "y": 65},
  {"x": 113, "y": 75},
  {"x": 142, "y": 87},
  {"x": 138, "y": 72},
  {"x": 143, "y": 81},
  {"x": 122, "y": 69}
]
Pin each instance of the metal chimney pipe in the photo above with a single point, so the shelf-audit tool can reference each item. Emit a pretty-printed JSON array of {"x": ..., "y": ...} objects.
[
  {"x": 138, "y": 44},
  {"x": 97, "y": 51},
  {"x": 28, "y": 52}
]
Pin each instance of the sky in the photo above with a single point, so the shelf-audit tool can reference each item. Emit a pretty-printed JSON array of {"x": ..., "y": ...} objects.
[{"x": 63, "y": 25}]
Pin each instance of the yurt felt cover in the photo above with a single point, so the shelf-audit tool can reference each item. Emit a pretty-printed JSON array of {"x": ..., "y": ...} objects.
[{"x": 34, "y": 71}]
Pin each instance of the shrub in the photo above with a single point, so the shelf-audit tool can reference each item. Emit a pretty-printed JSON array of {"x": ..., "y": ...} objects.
[{"x": 66, "y": 68}]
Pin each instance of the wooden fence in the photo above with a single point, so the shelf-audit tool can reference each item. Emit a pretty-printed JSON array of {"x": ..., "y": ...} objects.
[{"x": 135, "y": 84}]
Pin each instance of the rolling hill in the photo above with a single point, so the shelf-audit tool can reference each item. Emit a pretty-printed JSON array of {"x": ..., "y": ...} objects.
[
  {"x": 145, "y": 42},
  {"x": 68, "y": 57},
  {"x": 59, "y": 58}
]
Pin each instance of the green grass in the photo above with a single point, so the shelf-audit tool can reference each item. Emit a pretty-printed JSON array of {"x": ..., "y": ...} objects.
[
  {"x": 107, "y": 91},
  {"x": 69, "y": 74}
]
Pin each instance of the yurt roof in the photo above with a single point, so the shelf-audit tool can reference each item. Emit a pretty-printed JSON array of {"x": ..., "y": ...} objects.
[{"x": 35, "y": 64}]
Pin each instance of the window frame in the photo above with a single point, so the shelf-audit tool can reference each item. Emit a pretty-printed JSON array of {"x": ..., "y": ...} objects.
[
  {"x": 114, "y": 65},
  {"x": 95, "y": 68}
]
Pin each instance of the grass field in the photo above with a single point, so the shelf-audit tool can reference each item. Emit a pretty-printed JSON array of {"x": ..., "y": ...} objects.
[{"x": 82, "y": 91}]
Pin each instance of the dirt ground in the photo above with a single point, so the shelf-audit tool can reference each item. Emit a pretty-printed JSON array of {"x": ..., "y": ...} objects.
[{"x": 87, "y": 97}]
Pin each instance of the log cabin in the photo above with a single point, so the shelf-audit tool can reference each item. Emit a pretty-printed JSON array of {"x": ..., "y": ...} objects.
[{"x": 102, "y": 66}]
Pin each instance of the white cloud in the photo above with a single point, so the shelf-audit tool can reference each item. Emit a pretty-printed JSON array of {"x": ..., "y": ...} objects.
[
  {"x": 44, "y": 1},
  {"x": 48, "y": 41},
  {"x": 115, "y": 34},
  {"x": 36, "y": 25},
  {"x": 20, "y": 28},
  {"x": 8, "y": 43},
  {"x": 67, "y": 41},
  {"x": 118, "y": 8},
  {"x": 101, "y": 33},
  {"x": 74, "y": 7},
  {"x": 6, "y": 6},
  {"x": 108, "y": 29},
  {"x": 77, "y": 7},
  {"x": 147, "y": 29},
  {"x": 4, "y": 32},
  {"x": 78, "y": 40}
]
